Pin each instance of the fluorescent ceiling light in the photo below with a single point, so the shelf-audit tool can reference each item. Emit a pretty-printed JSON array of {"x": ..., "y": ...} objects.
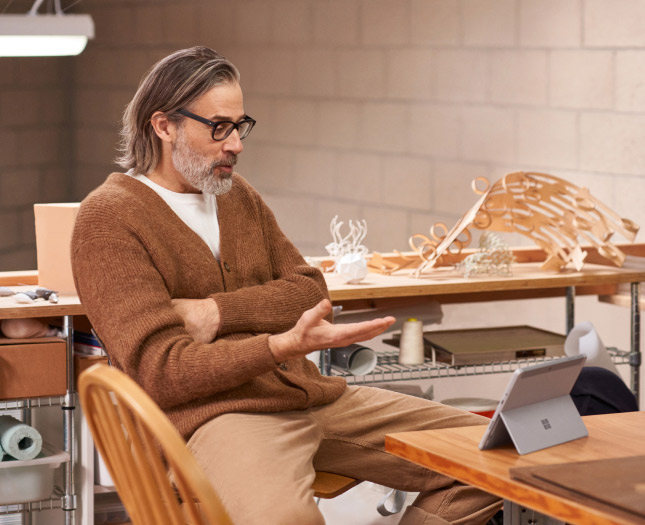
[{"x": 44, "y": 35}]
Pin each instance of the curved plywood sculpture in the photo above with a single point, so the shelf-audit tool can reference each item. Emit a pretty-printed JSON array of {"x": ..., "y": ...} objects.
[{"x": 557, "y": 215}]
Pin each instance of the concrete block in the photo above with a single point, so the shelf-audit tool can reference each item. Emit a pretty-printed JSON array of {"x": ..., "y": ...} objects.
[
  {"x": 116, "y": 25},
  {"x": 387, "y": 228},
  {"x": 27, "y": 226},
  {"x": 518, "y": 77},
  {"x": 54, "y": 185},
  {"x": 489, "y": 134},
  {"x": 274, "y": 71},
  {"x": 362, "y": 74},
  {"x": 384, "y": 128},
  {"x": 19, "y": 187},
  {"x": 435, "y": 22},
  {"x": 489, "y": 23},
  {"x": 10, "y": 233},
  {"x": 316, "y": 73},
  {"x": 612, "y": 143},
  {"x": 434, "y": 130},
  {"x": 297, "y": 216},
  {"x": 628, "y": 201},
  {"x": 359, "y": 178},
  {"x": 41, "y": 146},
  {"x": 547, "y": 138},
  {"x": 8, "y": 71},
  {"x": 385, "y": 22},
  {"x": 8, "y": 148},
  {"x": 407, "y": 182},
  {"x": 550, "y": 23},
  {"x": 54, "y": 107},
  {"x": 148, "y": 20},
  {"x": 87, "y": 179},
  {"x": 630, "y": 80},
  {"x": 582, "y": 79},
  {"x": 263, "y": 110},
  {"x": 312, "y": 172},
  {"x": 253, "y": 20},
  {"x": 614, "y": 23},
  {"x": 180, "y": 22},
  {"x": 20, "y": 108},
  {"x": 269, "y": 167},
  {"x": 295, "y": 122},
  {"x": 40, "y": 72},
  {"x": 460, "y": 75},
  {"x": 291, "y": 22},
  {"x": 410, "y": 74},
  {"x": 452, "y": 190},
  {"x": 95, "y": 145},
  {"x": 19, "y": 259},
  {"x": 336, "y": 22},
  {"x": 339, "y": 124}
]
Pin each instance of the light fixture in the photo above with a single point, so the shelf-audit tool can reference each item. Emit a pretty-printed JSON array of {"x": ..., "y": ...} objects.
[{"x": 35, "y": 34}]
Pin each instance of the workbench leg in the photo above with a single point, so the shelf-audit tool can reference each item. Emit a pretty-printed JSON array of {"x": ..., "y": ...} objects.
[
  {"x": 635, "y": 350},
  {"x": 570, "y": 306},
  {"x": 69, "y": 409}
]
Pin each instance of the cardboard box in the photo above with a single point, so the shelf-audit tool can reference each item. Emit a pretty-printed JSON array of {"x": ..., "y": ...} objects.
[
  {"x": 83, "y": 362},
  {"x": 54, "y": 226},
  {"x": 32, "y": 367}
]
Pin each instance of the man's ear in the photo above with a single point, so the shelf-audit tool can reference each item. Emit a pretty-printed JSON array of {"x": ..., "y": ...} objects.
[{"x": 164, "y": 128}]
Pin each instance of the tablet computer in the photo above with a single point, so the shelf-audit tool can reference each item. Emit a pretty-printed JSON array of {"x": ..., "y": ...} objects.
[{"x": 536, "y": 410}]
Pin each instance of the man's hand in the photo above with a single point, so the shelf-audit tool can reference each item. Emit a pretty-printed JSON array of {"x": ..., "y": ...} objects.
[
  {"x": 312, "y": 333},
  {"x": 201, "y": 317}
]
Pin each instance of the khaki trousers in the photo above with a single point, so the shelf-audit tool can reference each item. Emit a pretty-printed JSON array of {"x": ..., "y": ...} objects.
[{"x": 263, "y": 465}]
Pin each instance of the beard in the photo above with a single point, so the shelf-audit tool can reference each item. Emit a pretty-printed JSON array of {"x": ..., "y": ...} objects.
[{"x": 199, "y": 171}]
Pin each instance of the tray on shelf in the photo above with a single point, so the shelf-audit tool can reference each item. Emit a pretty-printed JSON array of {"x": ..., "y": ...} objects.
[{"x": 485, "y": 345}]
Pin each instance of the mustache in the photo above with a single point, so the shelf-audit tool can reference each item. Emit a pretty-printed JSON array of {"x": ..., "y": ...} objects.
[{"x": 228, "y": 161}]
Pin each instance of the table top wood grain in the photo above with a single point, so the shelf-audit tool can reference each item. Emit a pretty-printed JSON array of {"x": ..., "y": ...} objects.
[{"x": 455, "y": 452}]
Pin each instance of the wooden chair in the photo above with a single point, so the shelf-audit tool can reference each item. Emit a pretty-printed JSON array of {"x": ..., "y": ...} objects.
[{"x": 143, "y": 451}]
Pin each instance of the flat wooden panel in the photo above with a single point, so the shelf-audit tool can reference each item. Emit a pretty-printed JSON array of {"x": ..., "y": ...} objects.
[
  {"x": 67, "y": 305},
  {"x": 446, "y": 281},
  {"x": 18, "y": 278},
  {"x": 455, "y": 452}
]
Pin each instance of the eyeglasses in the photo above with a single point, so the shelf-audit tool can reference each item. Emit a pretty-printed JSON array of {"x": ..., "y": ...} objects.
[{"x": 221, "y": 129}]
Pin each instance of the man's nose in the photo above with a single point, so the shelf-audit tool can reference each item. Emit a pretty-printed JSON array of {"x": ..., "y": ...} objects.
[{"x": 233, "y": 143}]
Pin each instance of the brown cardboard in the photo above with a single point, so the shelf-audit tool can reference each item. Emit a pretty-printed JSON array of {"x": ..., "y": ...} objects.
[
  {"x": 83, "y": 362},
  {"x": 32, "y": 367},
  {"x": 54, "y": 225}
]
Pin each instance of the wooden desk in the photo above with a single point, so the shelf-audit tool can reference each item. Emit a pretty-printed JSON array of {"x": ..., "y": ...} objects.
[
  {"x": 455, "y": 452},
  {"x": 527, "y": 281},
  {"x": 446, "y": 285}
]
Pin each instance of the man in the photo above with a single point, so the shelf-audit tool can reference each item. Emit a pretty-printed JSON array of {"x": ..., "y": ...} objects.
[{"x": 200, "y": 297}]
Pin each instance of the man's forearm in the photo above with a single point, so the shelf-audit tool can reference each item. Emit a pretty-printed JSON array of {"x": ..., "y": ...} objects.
[{"x": 201, "y": 317}]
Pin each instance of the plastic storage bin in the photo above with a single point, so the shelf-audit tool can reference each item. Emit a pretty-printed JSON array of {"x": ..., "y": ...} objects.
[{"x": 32, "y": 480}]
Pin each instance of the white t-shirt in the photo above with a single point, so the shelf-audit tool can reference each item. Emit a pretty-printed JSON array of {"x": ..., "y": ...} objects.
[{"x": 197, "y": 210}]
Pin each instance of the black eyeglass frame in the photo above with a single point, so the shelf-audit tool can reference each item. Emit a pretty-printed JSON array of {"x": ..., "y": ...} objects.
[{"x": 214, "y": 124}]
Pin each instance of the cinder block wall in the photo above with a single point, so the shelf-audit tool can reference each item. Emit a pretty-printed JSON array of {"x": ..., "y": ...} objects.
[
  {"x": 377, "y": 109},
  {"x": 35, "y": 150}
]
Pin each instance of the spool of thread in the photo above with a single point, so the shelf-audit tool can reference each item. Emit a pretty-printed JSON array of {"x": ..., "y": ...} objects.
[{"x": 411, "y": 345}]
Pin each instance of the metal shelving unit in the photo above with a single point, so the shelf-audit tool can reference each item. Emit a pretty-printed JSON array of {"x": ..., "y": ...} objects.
[
  {"x": 63, "y": 497},
  {"x": 388, "y": 369}
]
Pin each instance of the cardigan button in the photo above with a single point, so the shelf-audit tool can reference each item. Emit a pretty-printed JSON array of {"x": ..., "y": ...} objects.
[{"x": 227, "y": 267}]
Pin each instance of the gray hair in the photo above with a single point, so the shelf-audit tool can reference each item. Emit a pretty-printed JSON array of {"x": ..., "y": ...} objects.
[{"x": 173, "y": 83}]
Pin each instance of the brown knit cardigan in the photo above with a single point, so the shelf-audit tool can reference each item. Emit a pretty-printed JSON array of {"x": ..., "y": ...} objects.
[{"x": 131, "y": 255}]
